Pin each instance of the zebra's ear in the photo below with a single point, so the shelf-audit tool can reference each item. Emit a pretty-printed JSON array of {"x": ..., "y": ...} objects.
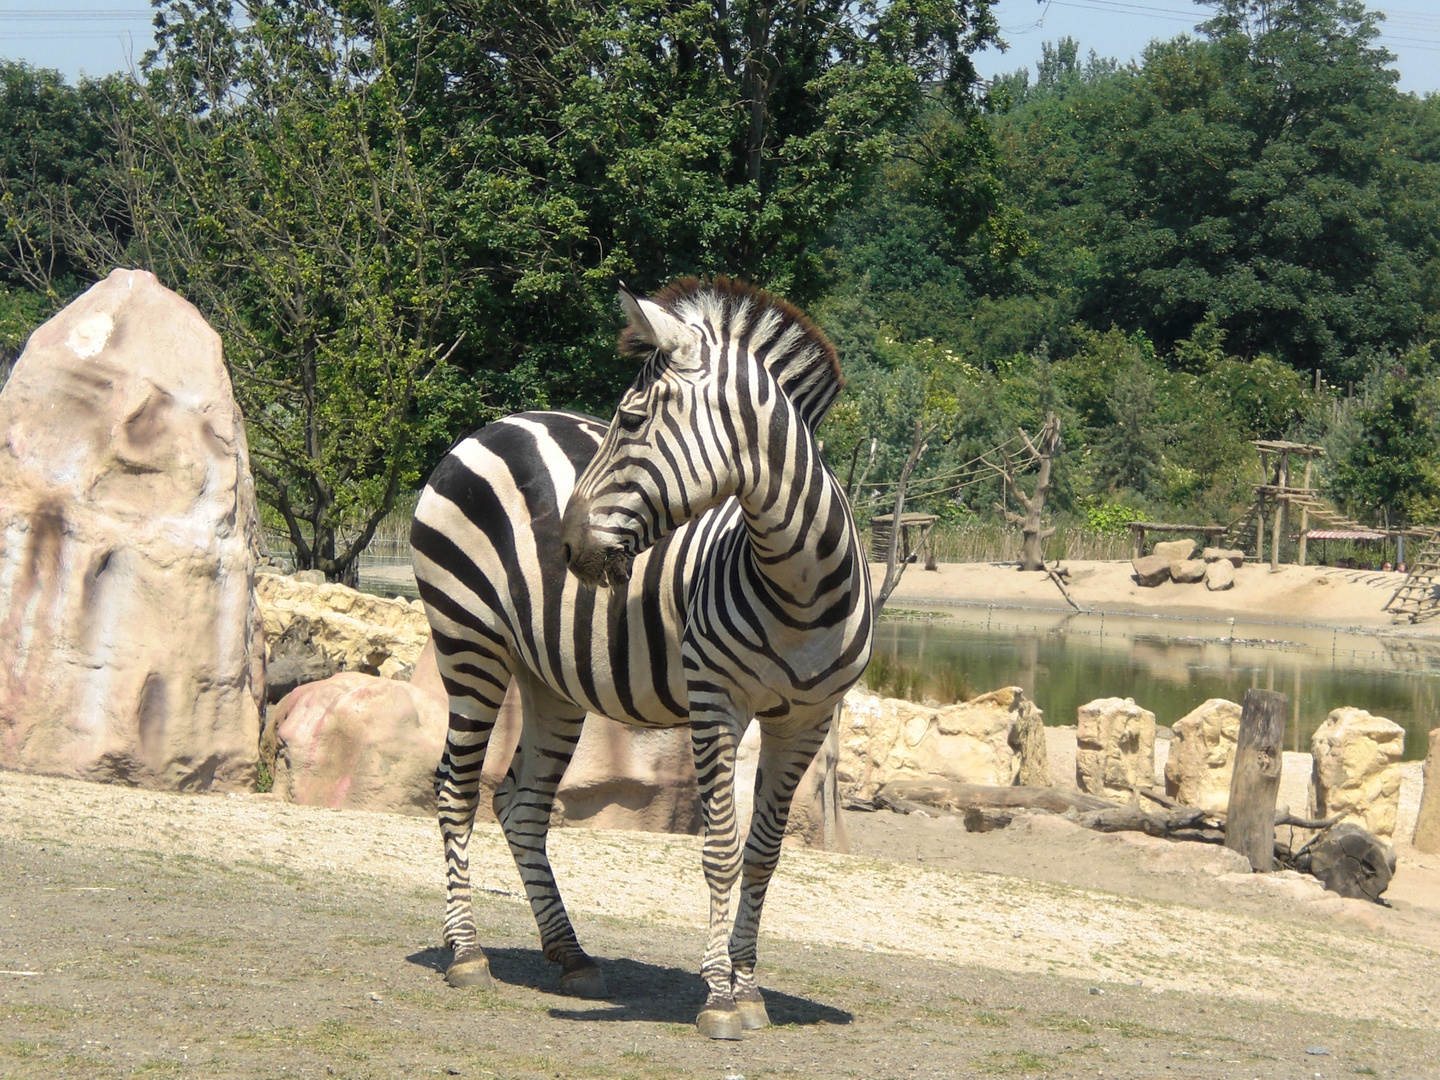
[{"x": 653, "y": 324}]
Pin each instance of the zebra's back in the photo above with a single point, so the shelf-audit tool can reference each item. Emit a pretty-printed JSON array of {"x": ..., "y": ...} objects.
[{"x": 488, "y": 564}]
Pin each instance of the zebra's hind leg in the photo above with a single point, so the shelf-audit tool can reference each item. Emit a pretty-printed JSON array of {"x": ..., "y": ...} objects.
[
  {"x": 781, "y": 766},
  {"x": 475, "y": 682},
  {"x": 523, "y": 803},
  {"x": 714, "y": 737}
]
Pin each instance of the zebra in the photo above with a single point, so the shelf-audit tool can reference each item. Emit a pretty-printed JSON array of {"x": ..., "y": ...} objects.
[{"x": 715, "y": 575}]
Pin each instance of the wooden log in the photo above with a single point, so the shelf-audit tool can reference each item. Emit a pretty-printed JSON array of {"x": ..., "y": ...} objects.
[
  {"x": 1255, "y": 783},
  {"x": 1350, "y": 861},
  {"x": 953, "y": 795},
  {"x": 982, "y": 819},
  {"x": 1132, "y": 818}
]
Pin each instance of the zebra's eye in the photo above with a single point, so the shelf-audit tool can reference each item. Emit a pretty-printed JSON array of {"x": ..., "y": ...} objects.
[{"x": 631, "y": 421}]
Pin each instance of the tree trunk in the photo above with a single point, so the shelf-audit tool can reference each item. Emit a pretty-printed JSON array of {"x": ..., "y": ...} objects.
[
  {"x": 1255, "y": 783},
  {"x": 894, "y": 565},
  {"x": 1031, "y": 530}
]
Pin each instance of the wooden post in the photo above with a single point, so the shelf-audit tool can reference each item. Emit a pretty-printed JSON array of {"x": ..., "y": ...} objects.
[
  {"x": 1282, "y": 480},
  {"x": 1305, "y": 509},
  {"x": 1260, "y": 528},
  {"x": 1255, "y": 784}
]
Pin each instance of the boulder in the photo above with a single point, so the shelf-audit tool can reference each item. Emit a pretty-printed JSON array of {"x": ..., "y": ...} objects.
[
  {"x": 1202, "y": 756},
  {"x": 982, "y": 741},
  {"x": 1219, "y": 575},
  {"x": 366, "y": 742},
  {"x": 1427, "y": 825},
  {"x": 1174, "y": 550},
  {"x": 1114, "y": 748},
  {"x": 1187, "y": 571},
  {"x": 1151, "y": 570},
  {"x": 358, "y": 741},
  {"x": 1234, "y": 556},
  {"x": 354, "y": 630},
  {"x": 294, "y": 660},
  {"x": 1356, "y": 770},
  {"x": 130, "y": 645}
]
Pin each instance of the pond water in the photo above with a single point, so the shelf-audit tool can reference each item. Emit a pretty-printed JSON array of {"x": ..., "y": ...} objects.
[{"x": 1167, "y": 666}]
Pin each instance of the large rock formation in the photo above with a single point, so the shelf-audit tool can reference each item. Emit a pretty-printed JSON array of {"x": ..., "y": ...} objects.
[
  {"x": 365, "y": 742},
  {"x": 982, "y": 741},
  {"x": 354, "y": 630},
  {"x": 1356, "y": 770},
  {"x": 1114, "y": 748},
  {"x": 130, "y": 646},
  {"x": 1202, "y": 756},
  {"x": 1427, "y": 825}
]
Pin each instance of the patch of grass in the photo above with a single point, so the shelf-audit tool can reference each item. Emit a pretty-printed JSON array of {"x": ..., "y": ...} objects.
[
  {"x": 1066, "y": 1022},
  {"x": 1018, "y": 1061},
  {"x": 162, "y": 1065},
  {"x": 1365, "y": 1070},
  {"x": 263, "y": 780},
  {"x": 989, "y": 1019}
]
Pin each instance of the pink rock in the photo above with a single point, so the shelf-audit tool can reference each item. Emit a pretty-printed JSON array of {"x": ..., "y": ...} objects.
[
  {"x": 359, "y": 742},
  {"x": 130, "y": 643}
]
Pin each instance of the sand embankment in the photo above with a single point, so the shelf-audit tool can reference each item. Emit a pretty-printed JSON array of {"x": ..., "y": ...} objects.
[{"x": 1292, "y": 595}]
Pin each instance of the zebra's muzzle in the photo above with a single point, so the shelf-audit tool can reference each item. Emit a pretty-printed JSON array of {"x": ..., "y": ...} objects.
[{"x": 596, "y": 565}]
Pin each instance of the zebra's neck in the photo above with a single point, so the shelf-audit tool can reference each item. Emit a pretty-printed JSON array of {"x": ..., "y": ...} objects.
[{"x": 803, "y": 544}]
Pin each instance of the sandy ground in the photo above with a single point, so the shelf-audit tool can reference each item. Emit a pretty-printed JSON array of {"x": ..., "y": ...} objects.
[
  {"x": 1292, "y": 595},
  {"x": 209, "y": 935}
]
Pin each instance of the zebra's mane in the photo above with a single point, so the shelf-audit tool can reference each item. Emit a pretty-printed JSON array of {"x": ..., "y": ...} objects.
[{"x": 781, "y": 336}]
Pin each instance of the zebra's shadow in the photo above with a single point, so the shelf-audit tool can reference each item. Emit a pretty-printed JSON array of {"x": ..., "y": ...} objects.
[{"x": 638, "y": 991}]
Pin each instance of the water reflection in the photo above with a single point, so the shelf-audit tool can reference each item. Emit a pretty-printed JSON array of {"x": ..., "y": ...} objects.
[{"x": 1170, "y": 667}]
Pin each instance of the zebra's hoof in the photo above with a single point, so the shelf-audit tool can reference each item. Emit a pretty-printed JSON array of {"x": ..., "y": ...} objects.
[
  {"x": 753, "y": 1016},
  {"x": 469, "y": 968},
  {"x": 720, "y": 1021},
  {"x": 586, "y": 982}
]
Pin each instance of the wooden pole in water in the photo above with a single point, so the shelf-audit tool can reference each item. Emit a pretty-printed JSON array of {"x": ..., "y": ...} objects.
[
  {"x": 1282, "y": 481},
  {"x": 1255, "y": 784}
]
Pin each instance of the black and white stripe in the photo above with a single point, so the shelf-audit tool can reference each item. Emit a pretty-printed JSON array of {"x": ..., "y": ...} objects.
[{"x": 737, "y": 588}]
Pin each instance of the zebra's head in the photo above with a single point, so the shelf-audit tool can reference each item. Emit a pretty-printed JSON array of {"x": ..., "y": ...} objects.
[{"x": 725, "y": 365}]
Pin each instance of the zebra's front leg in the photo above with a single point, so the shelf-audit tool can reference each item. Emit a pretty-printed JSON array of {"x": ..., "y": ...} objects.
[
  {"x": 714, "y": 737},
  {"x": 523, "y": 803},
  {"x": 781, "y": 767}
]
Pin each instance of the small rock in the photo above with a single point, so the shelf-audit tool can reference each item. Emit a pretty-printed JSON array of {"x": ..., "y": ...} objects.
[
  {"x": 1152, "y": 570},
  {"x": 1187, "y": 571},
  {"x": 1234, "y": 556},
  {"x": 1174, "y": 550},
  {"x": 1219, "y": 576},
  {"x": 1317, "y": 1051},
  {"x": 1094, "y": 990}
]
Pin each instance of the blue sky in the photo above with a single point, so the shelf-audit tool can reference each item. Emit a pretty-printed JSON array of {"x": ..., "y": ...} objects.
[{"x": 100, "y": 36}]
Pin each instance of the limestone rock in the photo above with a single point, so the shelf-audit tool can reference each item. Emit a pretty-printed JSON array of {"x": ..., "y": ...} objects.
[
  {"x": 888, "y": 739},
  {"x": 1427, "y": 826},
  {"x": 644, "y": 780},
  {"x": 1356, "y": 770},
  {"x": 1202, "y": 756},
  {"x": 355, "y": 630},
  {"x": 1219, "y": 575},
  {"x": 1187, "y": 571},
  {"x": 1234, "y": 556},
  {"x": 131, "y": 649},
  {"x": 1114, "y": 748},
  {"x": 1174, "y": 550},
  {"x": 1152, "y": 570},
  {"x": 360, "y": 742}
]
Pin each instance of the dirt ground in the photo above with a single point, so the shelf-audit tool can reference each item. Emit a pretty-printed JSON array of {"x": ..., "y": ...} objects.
[{"x": 218, "y": 936}]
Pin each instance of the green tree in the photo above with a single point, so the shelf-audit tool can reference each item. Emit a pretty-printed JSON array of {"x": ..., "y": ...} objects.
[
  {"x": 1384, "y": 445},
  {"x": 274, "y": 176},
  {"x": 643, "y": 139}
]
